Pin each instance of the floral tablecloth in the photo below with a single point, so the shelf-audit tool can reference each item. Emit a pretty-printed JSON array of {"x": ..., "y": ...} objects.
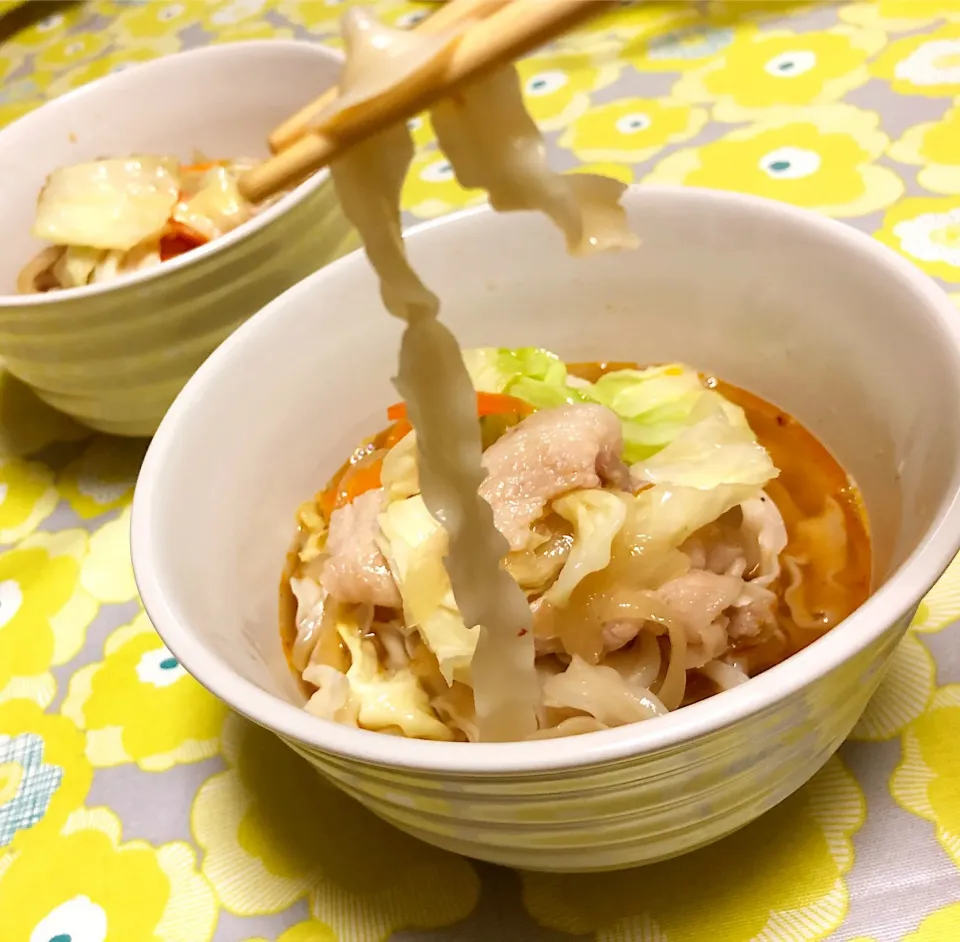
[{"x": 134, "y": 806}]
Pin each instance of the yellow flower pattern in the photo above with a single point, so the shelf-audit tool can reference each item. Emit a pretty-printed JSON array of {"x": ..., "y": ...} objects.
[
  {"x": 132, "y": 53},
  {"x": 27, "y": 497},
  {"x": 44, "y": 612},
  {"x": 926, "y": 64},
  {"x": 309, "y": 931},
  {"x": 83, "y": 880},
  {"x": 775, "y": 69},
  {"x": 557, "y": 88},
  {"x": 927, "y": 231},
  {"x": 818, "y": 158},
  {"x": 932, "y": 146},
  {"x": 750, "y": 95},
  {"x": 632, "y": 130},
  {"x": 107, "y": 572},
  {"x": 71, "y": 50},
  {"x": 431, "y": 189},
  {"x": 925, "y": 781},
  {"x": 44, "y": 773},
  {"x": 941, "y": 926},
  {"x": 262, "y": 852},
  {"x": 101, "y": 479},
  {"x": 895, "y": 16},
  {"x": 140, "y": 705},
  {"x": 795, "y": 884},
  {"x": 904, "y": 694}
]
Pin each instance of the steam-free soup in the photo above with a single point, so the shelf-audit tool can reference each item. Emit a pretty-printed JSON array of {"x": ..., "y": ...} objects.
[{"x": 673, "y": 536}]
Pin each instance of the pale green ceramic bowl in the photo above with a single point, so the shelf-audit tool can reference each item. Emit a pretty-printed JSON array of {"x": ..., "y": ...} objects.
[
  {"x": 825, "y": 322},
  {"x": 114, "y": 356}
]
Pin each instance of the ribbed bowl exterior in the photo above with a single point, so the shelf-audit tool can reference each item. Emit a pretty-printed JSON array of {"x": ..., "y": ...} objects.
[
  {"x": 635, "y": 811},
  {"x": 116, "y": 360}
]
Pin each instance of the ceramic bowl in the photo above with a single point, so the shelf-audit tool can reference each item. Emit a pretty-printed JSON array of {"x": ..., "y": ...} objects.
[
  {"x": 115, "y": 355},
  {"x": 814, "y": 316}
]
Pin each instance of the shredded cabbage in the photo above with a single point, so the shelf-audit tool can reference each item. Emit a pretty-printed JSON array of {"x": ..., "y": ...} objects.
[
  {"x": 332, "y": 698},
  {"x": 108, "y": 204},
  {"x": 601, "y": 692},
  {"x": 763, "y": 524},
  {"x": 384, "y": 701},
  {"x": 310, "y": 607},
  {"x": 77, "y": 264},
  {"x": 597, "y": 517},
  {"x": 415, "y": 546}
]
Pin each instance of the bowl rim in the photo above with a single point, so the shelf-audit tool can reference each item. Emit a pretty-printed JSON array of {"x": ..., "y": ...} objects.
[
  {"x": 203, "y": 252},
  {"x": 903, "y": 589}
]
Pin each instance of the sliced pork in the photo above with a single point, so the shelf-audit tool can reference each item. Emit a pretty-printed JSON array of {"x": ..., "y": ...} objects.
[
  {"x": 356, "y": 570},
  {"x": 550, "y": 453}
]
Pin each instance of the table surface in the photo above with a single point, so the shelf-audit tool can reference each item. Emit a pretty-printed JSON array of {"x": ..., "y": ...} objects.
[{"x": 134, "y": 806}]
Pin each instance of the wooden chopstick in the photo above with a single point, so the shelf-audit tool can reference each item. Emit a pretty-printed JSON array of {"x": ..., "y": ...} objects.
[
  {"x": 449, "y": 16},
  {"x": 515, "y": 29}
]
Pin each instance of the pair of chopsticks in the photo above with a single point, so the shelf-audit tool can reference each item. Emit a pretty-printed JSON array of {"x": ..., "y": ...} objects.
[{"x": 494, "y": 33}]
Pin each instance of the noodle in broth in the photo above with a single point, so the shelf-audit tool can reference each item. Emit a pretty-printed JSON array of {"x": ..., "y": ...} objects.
[{"x": 573, "y": 616}]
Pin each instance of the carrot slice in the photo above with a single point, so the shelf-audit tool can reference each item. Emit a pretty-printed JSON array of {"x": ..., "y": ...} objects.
[
  {"x": 487, "y": 404},
  {"x": 358, "y": 480},
  {"x": 396, "y": 431},
  {"x": 201, "y": 167}
]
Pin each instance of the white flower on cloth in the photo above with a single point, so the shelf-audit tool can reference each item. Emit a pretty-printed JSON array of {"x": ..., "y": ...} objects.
[
  {"x": 927, "y": 231},
  {"x": 934, "y": 63},
  {"x": 790, "y": 163},
  {"x": 791, "y": 63},
  {"x": 932, "y": 237},
  {"x": 159, "y": 668},
  {"x": 237, "y": 11},
  {"x": 926, "y": 63},
  {"x": 78, "y": 919}
]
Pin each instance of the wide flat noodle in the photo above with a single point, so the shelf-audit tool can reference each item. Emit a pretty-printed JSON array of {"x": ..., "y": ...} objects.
[
  {"x": 383, "y": 62},
  {"x": 441, "y": 403},
  {"x": 493, "y": 144},
  {"x": 442, "y": 407},
  {"x": 369, "y": 178}
]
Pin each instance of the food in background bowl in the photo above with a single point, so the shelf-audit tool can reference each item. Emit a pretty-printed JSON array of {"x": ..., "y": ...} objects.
[
  {"x": 673, "y": 536},
  {"x": 114, "y": 354},
  {"x": 109, "y": 218}
]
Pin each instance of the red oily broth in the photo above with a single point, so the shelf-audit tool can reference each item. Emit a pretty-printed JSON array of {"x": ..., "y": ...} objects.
[{"x": 810, "y": 477}]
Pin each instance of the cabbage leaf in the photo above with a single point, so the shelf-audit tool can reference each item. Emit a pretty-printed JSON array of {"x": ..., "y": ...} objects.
[
  {"x": 415, "y": 545},
  {"x": 108, "y": 204},
  {"x": 597, "y": 517},
  {"x": 716, "y": 448},
  {"x": 383, "y": 700}
]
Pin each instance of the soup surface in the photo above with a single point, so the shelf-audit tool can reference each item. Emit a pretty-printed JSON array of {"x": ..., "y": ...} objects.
[{"x": 674, "y": 536}]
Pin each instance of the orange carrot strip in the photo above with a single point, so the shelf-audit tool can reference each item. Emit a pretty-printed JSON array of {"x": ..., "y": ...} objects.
[
  {"x": 487, "y": 404},
  {"x": 201, "y": 167},
  {"x": 358, "y": 480},
  {"x": 396, "y": 431}
]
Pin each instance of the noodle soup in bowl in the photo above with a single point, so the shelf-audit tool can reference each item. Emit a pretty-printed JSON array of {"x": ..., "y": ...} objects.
[{"x": 808, "y": 314}]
